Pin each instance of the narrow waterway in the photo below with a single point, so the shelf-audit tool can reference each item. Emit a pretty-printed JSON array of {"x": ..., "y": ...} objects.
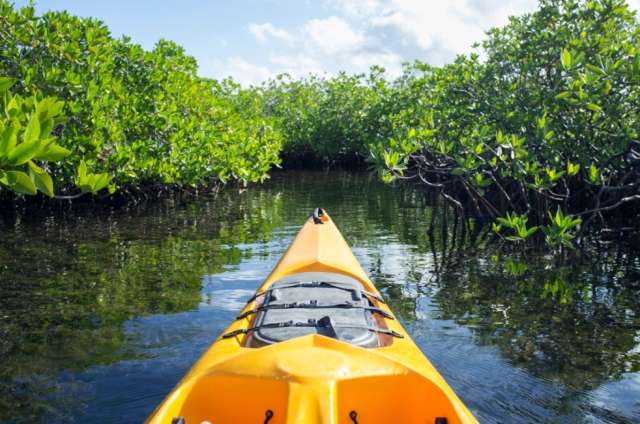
[{"x": 102, "y": 311}]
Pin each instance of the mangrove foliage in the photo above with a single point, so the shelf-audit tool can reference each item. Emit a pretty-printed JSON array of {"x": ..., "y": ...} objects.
[
  {"x": 141, "y": 117},
  {"x": 542, "y": 134}
]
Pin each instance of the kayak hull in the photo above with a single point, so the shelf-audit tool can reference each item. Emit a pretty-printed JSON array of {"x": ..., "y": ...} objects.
[{"x": 313, "y": 378}]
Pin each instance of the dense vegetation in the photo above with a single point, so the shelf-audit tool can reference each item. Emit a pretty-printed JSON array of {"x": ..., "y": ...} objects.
[
  {"x": 539, "y": 136},
  {"x": 140, "y": 116},
  {"x": 330, "y": 121},
  {"x": 549, "y": 122}
]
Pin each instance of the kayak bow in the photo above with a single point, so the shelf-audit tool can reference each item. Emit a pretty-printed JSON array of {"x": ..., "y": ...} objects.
[{"x": 315, "y": 344}]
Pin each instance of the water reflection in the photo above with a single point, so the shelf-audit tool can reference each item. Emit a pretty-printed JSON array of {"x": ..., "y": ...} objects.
[
  {"x": 102, "y": 311},
  {"x": 68, "y": 288},
  {"x": 576, "y": 323}
]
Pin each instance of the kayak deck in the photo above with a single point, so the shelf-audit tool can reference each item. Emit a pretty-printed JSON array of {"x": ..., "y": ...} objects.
[{"x": 317, "y": 364}]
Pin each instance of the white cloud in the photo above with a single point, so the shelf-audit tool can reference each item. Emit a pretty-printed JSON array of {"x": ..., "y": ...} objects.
[
  {"x": 356, "y": 8},
  {"x": 266, "y": 30},
  {"x": 434, "y": 31},
  {"x": 453, "y": 25},
  {"x": 333, "y": 35},
  {"x": 635, "y": 5},
  {"x": 245, "y": 72},
  {"x": 296, "y": 65}
]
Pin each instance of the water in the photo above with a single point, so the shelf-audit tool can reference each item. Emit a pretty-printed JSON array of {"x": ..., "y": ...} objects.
[{"x": 102, "y": 311}]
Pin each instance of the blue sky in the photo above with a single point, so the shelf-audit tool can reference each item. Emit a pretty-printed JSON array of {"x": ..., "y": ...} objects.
[{"x": 253, "y": 40}]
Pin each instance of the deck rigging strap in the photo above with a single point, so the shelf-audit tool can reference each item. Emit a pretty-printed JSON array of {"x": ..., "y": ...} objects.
[
  {"x": 325, "y": 322},
  {"x": 315, "y": 284},
  {"x": 313, "y": 304}
]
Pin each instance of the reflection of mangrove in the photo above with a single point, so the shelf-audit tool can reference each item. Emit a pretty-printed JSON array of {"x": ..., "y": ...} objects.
[
  {"x": 556, "y": 321},
  {"x": 570, "y": 317},
  {"x": 66, "y": 290}
]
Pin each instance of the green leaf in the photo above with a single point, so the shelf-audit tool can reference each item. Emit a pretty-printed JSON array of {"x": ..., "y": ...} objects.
[
  {"x": 53, "y": 152},
  {"x": 595, "y": 69},
  {"x": 6, "y": 83},
  {"x": 542, "y": 122},
  {"x": 20, "y": 182},
  {"x": 594, "y": 107},
  {"x": 594, "y": 174},
  {"x": 91, "y": 183},
  {"x": 82, "y": 170},
  {"x": 56, "y": 108},
  {"x": 48, "y": 108},
  {"x": 45, "y": 127},
  {"x": 33, "y": 129},
  {"x": 24, "y": 152},
  {"x": 101, "y": 181},
  {"x": 531, "y": 231},
  {"x": 8, "y": 140},
  {"x": 566, "y": 59},
  {"x": 41, "y": 179},
  {"x": 572, "y": 169},
  {"x": 481, "y": 181}
]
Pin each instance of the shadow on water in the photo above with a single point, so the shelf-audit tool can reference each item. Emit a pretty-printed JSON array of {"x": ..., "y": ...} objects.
[{"x": 102, "y": 311}]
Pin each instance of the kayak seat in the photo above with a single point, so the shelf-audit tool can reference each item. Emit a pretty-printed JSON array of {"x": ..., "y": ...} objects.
[{"x": 329, "y": 304}]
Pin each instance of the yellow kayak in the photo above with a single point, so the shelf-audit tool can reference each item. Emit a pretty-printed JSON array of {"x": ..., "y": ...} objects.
[{"x": 315, "y": 344}]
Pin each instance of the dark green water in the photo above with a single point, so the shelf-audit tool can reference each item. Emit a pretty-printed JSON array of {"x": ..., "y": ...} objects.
[{"x": 101, "y": 312}]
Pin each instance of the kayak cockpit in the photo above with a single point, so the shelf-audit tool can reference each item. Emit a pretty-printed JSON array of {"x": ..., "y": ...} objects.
[{"x": 326, "y": 303}]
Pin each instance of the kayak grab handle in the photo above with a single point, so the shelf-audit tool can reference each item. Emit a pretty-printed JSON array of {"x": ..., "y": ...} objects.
[{"x": 317, "y": 215}]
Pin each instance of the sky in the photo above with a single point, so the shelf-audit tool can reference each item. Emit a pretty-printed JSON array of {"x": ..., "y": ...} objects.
[{"x": 253, "y": 40}]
